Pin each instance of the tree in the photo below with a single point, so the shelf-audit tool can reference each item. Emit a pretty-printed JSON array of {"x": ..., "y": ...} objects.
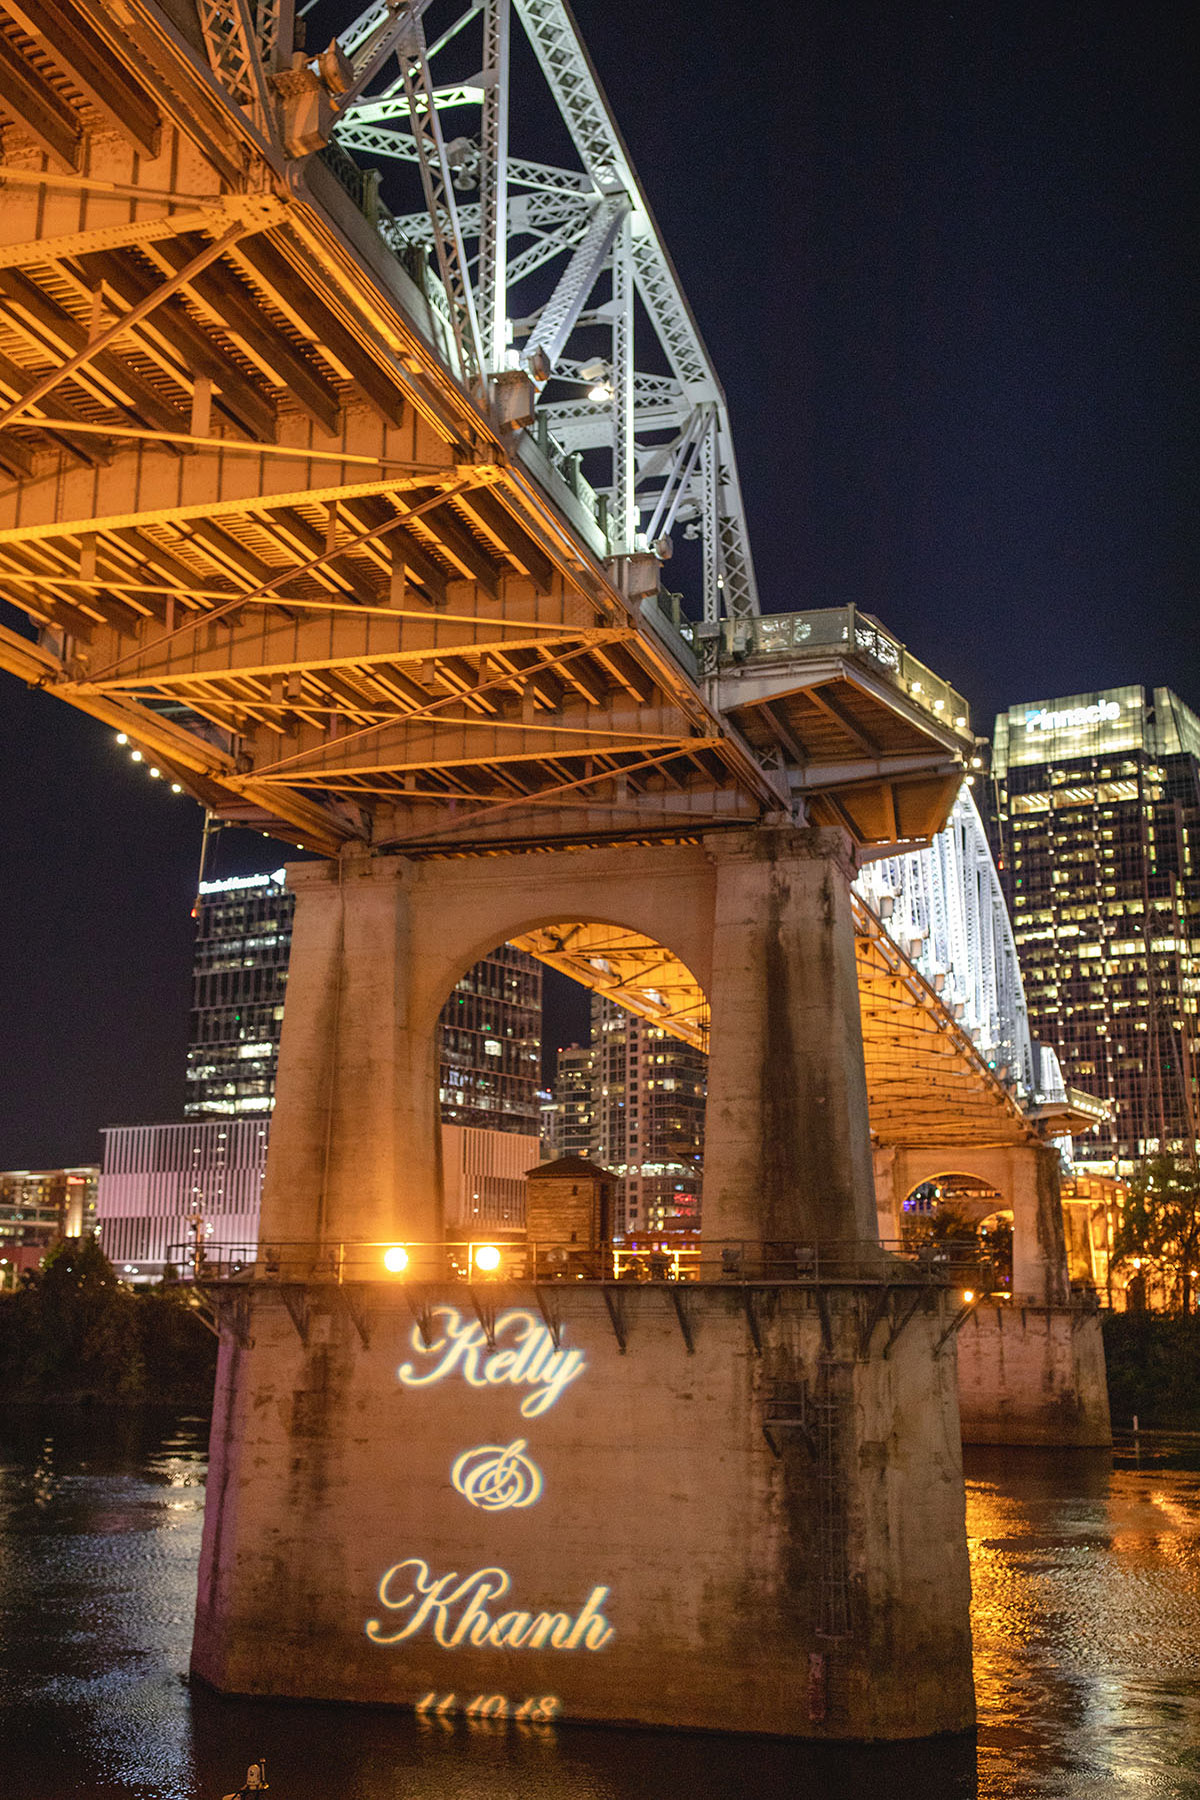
[
  {"x": 1159, "y": 1229},
  {"x": 81, "y": 1326}
]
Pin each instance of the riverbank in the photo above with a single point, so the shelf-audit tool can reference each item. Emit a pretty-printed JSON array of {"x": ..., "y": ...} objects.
[
  {"x": 1153, "y": 1362},
  {"x": 73, "y": 1335}
]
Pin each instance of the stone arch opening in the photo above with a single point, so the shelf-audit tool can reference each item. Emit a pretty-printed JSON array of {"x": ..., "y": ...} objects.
[
  {"x": 962, "y": 1217},
  {"x": 628, "y": 1094}
]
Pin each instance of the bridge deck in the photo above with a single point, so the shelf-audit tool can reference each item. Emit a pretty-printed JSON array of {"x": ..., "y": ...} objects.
[{"x": 335, "y": 591}]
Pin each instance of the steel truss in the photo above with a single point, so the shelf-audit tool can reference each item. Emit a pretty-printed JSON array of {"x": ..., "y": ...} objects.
[
  {"x": 594, "y": 228},
  {"x": 945, "y": 907}
]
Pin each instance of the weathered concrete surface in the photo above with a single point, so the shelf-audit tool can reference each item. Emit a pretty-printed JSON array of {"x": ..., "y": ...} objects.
[
  {"x": 762, "y": 919},
  {"x": 663, "y": 1516},
  {"x": 1032, "y": 1375},
  {"x": 787, "y": 1149}
]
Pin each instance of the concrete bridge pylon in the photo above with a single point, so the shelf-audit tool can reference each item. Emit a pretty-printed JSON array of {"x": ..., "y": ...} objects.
[
  {"x": 761, "y": 918},
  {"x": 1031, "y": 1368},
  {"x": 718, "y": 1496}
]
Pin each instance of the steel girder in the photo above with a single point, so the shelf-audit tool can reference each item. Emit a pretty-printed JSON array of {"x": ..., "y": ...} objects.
[
  {"x": 945, "y": 907},
  {"x": 514, "y": 240}
]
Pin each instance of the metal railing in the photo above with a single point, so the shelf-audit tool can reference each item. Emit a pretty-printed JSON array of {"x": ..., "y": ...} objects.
[
  {"x": 497, "y": 1260},
  {"x": 844, "y": 629}
]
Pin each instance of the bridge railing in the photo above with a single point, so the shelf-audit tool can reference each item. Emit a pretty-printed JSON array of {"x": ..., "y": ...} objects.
[
  {"x": 500, "y": 1259},
  {"x": 845, "y": 630}
]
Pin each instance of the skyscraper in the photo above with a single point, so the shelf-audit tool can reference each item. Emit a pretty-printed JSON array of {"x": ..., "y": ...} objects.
[
  {"x": 490, "y": 1062},
  {"x": 239, "y": 977},
  {"x": 1097, "y": 813},
  {"x": 575, "y": 1098},
  {"x": 649, "y": 1092},
  {"x": 491, "y": 1023}
]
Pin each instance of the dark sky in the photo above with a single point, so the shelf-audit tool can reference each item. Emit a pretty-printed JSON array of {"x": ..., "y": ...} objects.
[{"x": 943, "y": 257}]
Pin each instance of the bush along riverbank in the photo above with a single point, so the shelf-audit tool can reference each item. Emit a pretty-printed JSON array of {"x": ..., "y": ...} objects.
[
  {"x": 1153, "y": 1369},
  {"x": 72, "y": 1333}
]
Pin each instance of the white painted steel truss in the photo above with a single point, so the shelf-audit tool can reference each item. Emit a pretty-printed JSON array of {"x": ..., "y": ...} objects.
[
  {"x": 945, "y": 908},
  {"x": 565, "y": 273}
]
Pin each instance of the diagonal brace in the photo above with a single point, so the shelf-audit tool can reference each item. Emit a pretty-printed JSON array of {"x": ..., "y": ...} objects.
[{"x": 124, "y": 323}]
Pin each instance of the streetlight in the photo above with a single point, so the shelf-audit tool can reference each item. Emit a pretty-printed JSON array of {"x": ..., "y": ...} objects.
[{"x": 487, "y": 1258}]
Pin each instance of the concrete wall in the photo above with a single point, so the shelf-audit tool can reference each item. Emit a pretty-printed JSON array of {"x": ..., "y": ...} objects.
[
  {"x": 661, "y": 1504},
  {"x": 1026, "y": 1178},
  {"x": 379, "y": 941},
  {"x": 1032, "y": 1375}
]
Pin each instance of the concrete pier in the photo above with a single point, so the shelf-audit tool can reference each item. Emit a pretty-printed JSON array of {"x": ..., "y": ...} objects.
[
  {"x": 704, "y": 1537},
  {"x": 1033, "y": 1375},
  {"x": 1031, "y": 1369},
  {"x": 734, "y": 1504}
]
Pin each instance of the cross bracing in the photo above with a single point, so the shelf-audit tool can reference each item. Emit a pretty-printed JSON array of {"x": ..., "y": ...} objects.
[
  {"x": 563, "y": 225},
  {"x": 944, "y": 905},
  {"x": 277, "y": 508},
  {"x": 925, "y": 1075},
  {"x": 271, "y": 513}
]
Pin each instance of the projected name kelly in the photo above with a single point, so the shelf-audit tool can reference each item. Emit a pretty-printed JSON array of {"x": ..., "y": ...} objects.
[
  {"x": 454, "y": 1611},
  {"x": 523, "y": 1356}
]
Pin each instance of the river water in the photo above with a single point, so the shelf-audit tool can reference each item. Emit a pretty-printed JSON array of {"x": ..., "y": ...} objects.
[{"x": 1086, "y": 1572}]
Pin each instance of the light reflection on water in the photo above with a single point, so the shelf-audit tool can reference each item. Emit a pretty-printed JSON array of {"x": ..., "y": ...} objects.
[
  {"x": 1087, "y": 1629},
  {"x": 1086, "y": 1619}
]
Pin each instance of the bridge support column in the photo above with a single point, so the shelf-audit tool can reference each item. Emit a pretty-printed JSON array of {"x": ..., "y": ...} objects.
[
  {"x": 787, "y": 1142},
  {"x": 1030, "y": 1369},
  {"x": 770, "y": 1466},
  {"x": 355, "y": 1145}
]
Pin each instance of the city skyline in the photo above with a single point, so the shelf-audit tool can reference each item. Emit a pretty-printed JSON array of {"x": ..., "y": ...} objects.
[{"x": 959, "y": 302}]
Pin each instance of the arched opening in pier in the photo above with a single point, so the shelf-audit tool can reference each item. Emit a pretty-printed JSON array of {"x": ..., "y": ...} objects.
[
  {"x": 580, "y": 1039},
  {"x": 962, "y": 1220}
]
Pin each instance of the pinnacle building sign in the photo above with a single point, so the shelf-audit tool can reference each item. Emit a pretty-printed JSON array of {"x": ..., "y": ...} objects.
[
  {"x": 461, "y": 1609},
  {"x": 1073, "y": 718},
  {"x": 1096, "y": 724}
]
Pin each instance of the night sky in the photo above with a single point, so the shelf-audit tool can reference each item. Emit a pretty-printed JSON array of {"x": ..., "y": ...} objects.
[{"x": 943, "y": 257}]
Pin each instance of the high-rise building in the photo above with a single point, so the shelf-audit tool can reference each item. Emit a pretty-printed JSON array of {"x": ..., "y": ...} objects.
[
  {"x": 490, "y": 1059},
  {"x": 1097, "y": 814},
  {"x": 649, "y": 1092},
  {"x": 575, "y": 1100},
  {"x": 491, "y": 1024},
  {"x": 239, "y": 977},
  {"x": 39, "y": 1207}
]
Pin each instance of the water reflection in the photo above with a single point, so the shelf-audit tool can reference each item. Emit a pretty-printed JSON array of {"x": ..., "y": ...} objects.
[
  {"x": 1087, "y": 1621},
  {"x": 1086, "y": 1618}
]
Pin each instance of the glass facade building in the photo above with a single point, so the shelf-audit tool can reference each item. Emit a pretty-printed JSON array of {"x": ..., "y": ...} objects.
[
  {"x": 490, "y": 1058},
  {"x": 1096, "y": 808},
  {"x": 649, "y": 1092},
  {"x": 491, "y": 1024},
  {"x": 239, "y": 977},
  {"x": 575, "y": 1102}
]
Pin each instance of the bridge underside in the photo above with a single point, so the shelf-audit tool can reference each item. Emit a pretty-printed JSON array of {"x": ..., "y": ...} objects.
[
  {"x": 926, "y": 1081},
  {"x": 262, "y": 521}
]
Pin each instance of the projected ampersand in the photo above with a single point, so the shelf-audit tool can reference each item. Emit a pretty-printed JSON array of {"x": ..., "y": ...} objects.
[{"x": 497, "y": 1477}]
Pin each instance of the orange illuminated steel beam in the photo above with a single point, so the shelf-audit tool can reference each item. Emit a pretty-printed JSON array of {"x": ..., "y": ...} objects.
[
  {"x": 261, "y": 526},
  {"x": 926, "y": 1081}
]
